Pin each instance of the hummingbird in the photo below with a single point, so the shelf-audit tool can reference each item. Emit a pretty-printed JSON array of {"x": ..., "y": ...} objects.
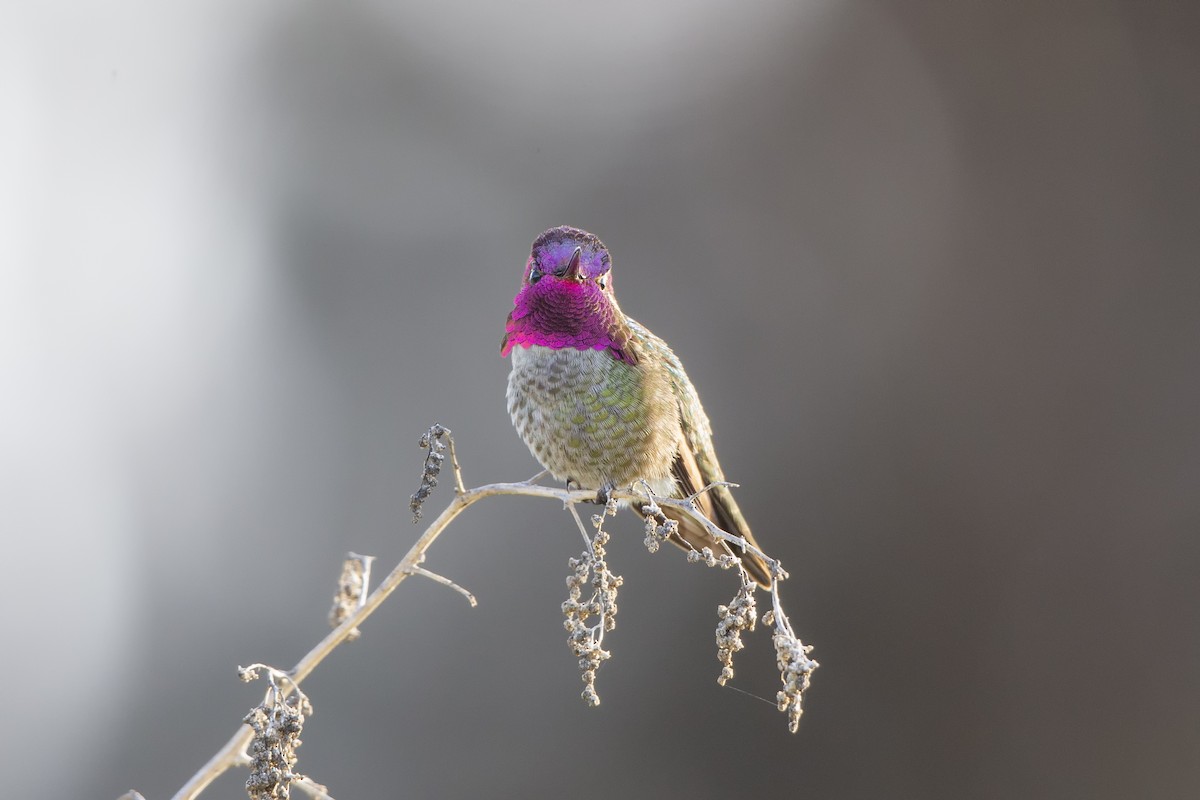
[{"x": 602, "y": 402}]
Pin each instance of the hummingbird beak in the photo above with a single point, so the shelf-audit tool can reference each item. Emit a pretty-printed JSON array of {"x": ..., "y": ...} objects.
[{"x": 571, "y": 273}]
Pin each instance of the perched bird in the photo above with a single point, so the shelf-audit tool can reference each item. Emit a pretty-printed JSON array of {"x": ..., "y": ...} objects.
[{"x": 600, "y": 400}]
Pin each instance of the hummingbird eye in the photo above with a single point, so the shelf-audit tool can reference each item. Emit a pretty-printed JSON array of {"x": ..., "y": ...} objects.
[
  {"x": 602, "y": 281},
  {"x": 535, "y": 274}
]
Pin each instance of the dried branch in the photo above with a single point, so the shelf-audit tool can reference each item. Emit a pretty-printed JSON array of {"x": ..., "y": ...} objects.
[{"x": 353, "y": 608}]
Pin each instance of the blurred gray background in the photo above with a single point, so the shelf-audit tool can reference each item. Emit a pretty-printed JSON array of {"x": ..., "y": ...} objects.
[{"x": 932, "y": 266}]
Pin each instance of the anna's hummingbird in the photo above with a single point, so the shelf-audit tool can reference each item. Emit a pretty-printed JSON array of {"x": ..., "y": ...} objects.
[{"x": 603, "y": 402}]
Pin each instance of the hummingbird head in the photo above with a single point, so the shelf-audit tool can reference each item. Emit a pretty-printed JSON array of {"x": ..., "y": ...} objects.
[
  {"x": 566, "y": 297},
  {"x": 568, "y": 256}
]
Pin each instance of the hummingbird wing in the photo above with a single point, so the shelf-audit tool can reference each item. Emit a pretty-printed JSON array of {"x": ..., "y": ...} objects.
[{"x": 696, "y": 467}]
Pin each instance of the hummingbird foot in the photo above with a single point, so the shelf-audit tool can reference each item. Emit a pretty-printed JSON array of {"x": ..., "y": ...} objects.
[{"x": 604, "y": 494}]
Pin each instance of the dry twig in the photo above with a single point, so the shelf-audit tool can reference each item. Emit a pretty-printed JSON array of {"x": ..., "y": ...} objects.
[{"x": 353, "y": 608}]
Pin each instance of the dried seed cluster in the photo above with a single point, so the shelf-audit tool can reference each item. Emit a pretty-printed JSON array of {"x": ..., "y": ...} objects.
[
  {"x": 706, "y": 556},
  {"x": 435, "y": 454},
  {"x": 795, "y": 668},
  {"x": 277, "y": 724},
  {"x": 740, "y": 615},
  {"x": 659, "y": 529},
  {"x": 584, "y": 640},
  {"x": 351, "y": 590}
]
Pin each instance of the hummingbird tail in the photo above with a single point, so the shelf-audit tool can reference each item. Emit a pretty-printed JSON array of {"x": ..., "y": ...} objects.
[
  {"x": 694, "y": 536},
  {"x": 719, "y": 506}
]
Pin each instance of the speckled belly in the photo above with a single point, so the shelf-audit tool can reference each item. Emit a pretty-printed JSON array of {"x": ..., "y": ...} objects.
[{"x": 592, "y": 419}]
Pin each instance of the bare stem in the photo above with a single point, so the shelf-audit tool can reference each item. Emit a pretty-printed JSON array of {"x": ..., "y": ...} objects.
[
  {"x": 433, "y": 576},
  {"x": 710, "y": 487},
  {"x": 583, "y": 531},
  {"x": 458, "y": 479},
  {"x": 311, "y": 788}
]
